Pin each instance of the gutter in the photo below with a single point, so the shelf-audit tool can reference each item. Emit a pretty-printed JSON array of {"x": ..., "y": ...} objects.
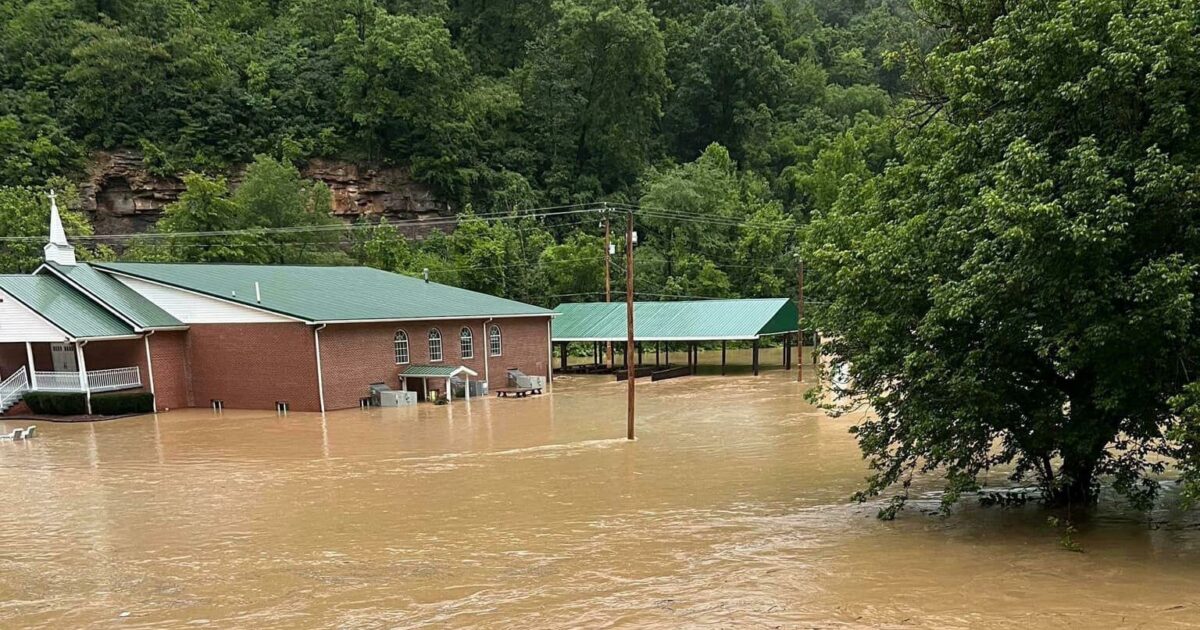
[
  {"x": 150, "y": 371},
  {"x": 487, "y": 352},
  {"x": 320, "y": 377}
]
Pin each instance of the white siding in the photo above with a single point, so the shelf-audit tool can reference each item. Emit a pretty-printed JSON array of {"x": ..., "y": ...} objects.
[
  {"x": 193, "y": 308},
  {"x": 20, "y": 323}
]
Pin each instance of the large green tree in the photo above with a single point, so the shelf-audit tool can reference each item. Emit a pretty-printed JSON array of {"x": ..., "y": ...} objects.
[
  {"x": 25, "y": 218},
  {"x": 1021, "y": 291},
  {"x": 593, "y": 85}
]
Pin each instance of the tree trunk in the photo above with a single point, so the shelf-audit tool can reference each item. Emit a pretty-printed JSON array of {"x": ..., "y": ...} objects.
[{"x": 1076, "y": 483}]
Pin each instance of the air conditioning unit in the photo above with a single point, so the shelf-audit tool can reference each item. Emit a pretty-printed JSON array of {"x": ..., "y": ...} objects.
[{"x": 393, "y": 398}]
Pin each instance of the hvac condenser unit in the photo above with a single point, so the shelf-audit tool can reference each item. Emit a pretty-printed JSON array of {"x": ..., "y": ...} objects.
[{"x": 393, "y": 398}]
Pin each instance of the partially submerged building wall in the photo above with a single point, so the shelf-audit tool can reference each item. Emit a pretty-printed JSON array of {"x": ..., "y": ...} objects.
[
  {"x": 355, "y": 355},
  {"x": 251, "y": 366}
]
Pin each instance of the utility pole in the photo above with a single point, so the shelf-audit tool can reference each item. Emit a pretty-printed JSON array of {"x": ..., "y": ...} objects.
[
  {"x": 800, "y": 321},
  {"x": 607, "y": 278},
  {"x": 631, "y": 371}
]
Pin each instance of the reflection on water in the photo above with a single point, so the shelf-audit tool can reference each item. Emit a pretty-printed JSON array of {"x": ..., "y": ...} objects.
[{"x": 729, "y": 510}]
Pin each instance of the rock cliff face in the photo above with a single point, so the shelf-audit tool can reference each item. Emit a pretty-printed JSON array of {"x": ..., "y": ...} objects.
[{"x": 121, "y": 196}]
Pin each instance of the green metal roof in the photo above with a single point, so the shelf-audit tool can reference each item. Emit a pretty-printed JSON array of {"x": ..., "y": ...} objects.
[
  {"x": 443, "y": 371},
  {"x": 64, "y": 306},
  {"x": 328, "y": 294},
  {"x": 699, "y": 320},
  {"x": 117, "y": 296}
]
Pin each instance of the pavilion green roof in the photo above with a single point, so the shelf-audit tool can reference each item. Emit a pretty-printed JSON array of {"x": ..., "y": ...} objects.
[
  {"x": 328, "y": 294},
  {"x": 117, "y": 296},
  {"x": 699, "y": 320},
  {"x": 65, "y": 307}
]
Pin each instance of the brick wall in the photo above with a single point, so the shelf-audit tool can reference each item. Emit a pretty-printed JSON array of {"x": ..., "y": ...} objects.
[
  {"x": 171, "y": 370},
  {"x": 106, "y": 355},
  {"x": 250, "y": 366},
  {"x": 355, "y": 355}
]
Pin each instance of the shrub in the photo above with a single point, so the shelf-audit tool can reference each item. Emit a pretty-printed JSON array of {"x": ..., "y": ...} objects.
[
  {"x": 56, "y": 403},
  {"x": 123, "y": 402}
]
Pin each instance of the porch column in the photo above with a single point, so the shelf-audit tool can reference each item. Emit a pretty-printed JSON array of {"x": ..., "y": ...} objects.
[
  {"x": 32, "y": 368},
  {"x": 87, "y": 391},
  {"x": 755, "y": 356},
  {"x": 722, "y": 357},
  {"x": 449, "y": 392}
]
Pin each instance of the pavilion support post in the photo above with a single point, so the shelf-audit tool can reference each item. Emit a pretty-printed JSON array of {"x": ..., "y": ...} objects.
[
  {"x": 656, "y": 347},
  {"x": 755, "y": 357},
  {"x": 722, "y": 357},
  {"x": 625, "y": 355},
  {"x": 667, "y": 353},
  {"x": 562, "y": 351},
  {"x": 787, "y": 351},
  {"x": 639, "y": 351}
]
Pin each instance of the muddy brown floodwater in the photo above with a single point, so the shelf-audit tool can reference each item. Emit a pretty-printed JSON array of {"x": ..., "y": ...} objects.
[{"x": 730, "y": 510}]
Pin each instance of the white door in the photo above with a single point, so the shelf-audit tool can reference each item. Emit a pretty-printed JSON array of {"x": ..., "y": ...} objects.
[{"x": 64, "y": 357}]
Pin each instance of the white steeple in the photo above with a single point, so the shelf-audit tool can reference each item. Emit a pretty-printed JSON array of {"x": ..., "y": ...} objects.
[{"x": 58, "y": 250}]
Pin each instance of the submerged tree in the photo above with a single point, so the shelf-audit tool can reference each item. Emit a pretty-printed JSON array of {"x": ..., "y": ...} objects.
[{"x": 1022, "y": 289}]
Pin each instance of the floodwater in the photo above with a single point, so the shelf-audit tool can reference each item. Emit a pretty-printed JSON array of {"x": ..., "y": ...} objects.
[{"x": 730, "y": 510}]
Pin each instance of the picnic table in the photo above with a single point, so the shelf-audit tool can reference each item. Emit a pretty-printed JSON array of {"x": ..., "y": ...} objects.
[{"x": 519, "y": 392}]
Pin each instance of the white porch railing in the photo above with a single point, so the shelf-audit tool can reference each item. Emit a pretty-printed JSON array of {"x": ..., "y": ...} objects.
[
  {"x": 116, "y": 378},
  {"x": 98, "y": 380},
  {"x": 13, "y": 386},
  {"x": 58, "y": 381}
]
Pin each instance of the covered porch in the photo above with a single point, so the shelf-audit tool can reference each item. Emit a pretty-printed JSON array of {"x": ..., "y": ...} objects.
[
  {"x": 87, "y": 367},
  {"x": 447, "y": 373}
]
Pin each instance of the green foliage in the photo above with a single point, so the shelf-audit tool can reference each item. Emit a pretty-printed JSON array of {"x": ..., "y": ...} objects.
[
  {"x": 1020, "y": 288},
  {"x": 593, "y": 84},
  {"x": 25, "y": 212},
  {"x": 56, "y": 403},
  {"x": 119, "y": 403}
]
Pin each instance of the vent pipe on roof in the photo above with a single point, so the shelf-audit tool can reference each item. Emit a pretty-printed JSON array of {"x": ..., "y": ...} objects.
[
  {"x": 425, "y": 272},
  {"x": 257, "y": 294}
]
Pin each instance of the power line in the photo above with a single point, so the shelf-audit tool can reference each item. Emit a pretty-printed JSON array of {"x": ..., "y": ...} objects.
[{"x": 536, "y": 213}]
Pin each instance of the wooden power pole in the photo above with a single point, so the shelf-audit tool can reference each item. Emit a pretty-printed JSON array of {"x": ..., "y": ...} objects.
[
  {"x": 608, "y": 346},
  {"x": 800, "y": 322},
  {"x": 631, "y": 370}
]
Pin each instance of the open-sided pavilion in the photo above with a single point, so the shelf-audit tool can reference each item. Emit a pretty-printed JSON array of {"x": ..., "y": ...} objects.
[{"x": 690, "y": 322}]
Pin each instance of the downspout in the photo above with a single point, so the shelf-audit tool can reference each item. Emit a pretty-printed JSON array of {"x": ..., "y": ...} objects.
[
  {"x": 150, "y": 370},
  {"x": 487, "y": 352},
  {"x": 320, "y": 378},
  {"x": 83, "y": 382}
]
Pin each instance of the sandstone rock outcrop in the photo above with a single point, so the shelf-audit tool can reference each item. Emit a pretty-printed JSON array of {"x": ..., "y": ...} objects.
[{"x": 122, "y": 196}]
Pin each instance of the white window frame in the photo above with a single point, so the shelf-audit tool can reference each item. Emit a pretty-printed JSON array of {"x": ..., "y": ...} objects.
[
  {"x": 435, "y": 335},
  {"x": 495, "y": 341},
  {"x": 466, "y": 343},
  {"x": 400, "y": 347}
]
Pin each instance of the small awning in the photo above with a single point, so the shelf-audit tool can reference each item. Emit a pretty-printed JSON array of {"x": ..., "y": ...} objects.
[{"x": 437, "y": 371}]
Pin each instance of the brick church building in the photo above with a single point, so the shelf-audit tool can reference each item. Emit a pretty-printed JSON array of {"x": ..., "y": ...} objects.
[{"x": 250, "y": 336}]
